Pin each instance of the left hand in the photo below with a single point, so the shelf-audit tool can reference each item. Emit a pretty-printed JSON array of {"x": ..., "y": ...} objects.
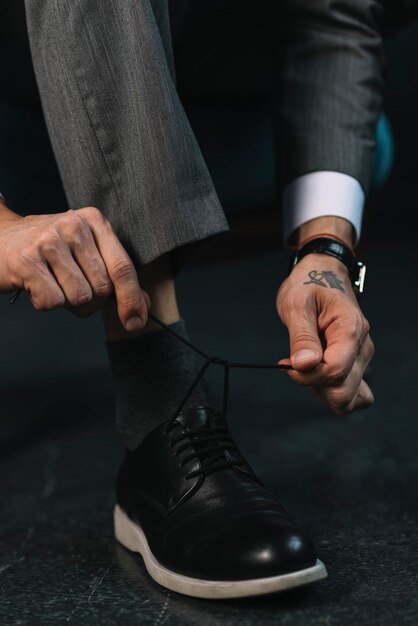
[{"x": 330, "y": 344}]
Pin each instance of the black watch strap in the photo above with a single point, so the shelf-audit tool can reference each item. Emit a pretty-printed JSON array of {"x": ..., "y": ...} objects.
[{"x": 335, "y": 248}]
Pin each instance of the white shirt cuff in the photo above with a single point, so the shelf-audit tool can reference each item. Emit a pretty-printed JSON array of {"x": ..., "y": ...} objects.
[{"x": 320, "y": 194}]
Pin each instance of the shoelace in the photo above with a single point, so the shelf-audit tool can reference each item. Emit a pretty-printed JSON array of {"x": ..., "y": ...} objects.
[{"x": 209, "y": 442}]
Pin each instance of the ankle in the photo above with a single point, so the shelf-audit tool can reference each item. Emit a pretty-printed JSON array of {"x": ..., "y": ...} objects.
[
  {"x": 151, "y": 376},
  {"x": 157, "y": 280}
]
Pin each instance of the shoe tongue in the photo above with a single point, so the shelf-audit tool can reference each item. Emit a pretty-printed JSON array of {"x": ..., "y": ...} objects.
[
  {"x": 200, "y": 417},
  {"x": 194, "y": 419}
]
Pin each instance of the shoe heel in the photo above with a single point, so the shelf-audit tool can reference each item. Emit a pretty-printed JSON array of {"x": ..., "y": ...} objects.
[{"x": 124, "y": 531}]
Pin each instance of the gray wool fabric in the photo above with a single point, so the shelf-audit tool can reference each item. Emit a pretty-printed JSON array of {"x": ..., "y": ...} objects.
[
  {"x": 120, "y": 135},
  {"x": 151, "y": 376}
]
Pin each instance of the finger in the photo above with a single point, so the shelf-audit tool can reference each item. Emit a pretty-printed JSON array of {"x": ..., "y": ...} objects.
[
  {"x": 302, "y": 325},
  {"x": 344, "y": 343},
  {"x": 345, "y": 340},
  {"x": 131, "y": 304},
  {"x": 87, "y": 256},
  {"x": 68, "y": 275},
  {"x": 86, "y": 310},
  {"x": 342, "y": 399},
  {"x": 365, "y": 397},
  {"x": 44, "y": 292},
  {"x": 339, "y": 398}
]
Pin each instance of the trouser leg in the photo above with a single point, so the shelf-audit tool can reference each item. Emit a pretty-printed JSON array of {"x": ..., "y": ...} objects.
[{"x": 119, "y": 132}]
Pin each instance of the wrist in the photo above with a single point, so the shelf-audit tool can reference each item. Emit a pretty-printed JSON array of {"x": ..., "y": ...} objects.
[
  {"x": 7, "y": 216},
  {"x": 337, "y": 227},
  {"x": 329, "y": 246},
  {"x": 323, "y": 262}
]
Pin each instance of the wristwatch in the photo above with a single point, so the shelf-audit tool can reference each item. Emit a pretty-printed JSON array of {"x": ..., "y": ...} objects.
[{"x": 337, "y": 249}]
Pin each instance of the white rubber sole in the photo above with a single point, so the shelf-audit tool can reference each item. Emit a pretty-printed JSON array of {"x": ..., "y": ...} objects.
[{"x": 131, "y": 536}]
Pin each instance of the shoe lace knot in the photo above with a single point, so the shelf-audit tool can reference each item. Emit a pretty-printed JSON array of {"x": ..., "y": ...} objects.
[{"x": 209, "y": 444}]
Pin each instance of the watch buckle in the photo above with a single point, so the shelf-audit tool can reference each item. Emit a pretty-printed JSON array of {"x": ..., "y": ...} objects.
[{"x": 359, "y": 283}]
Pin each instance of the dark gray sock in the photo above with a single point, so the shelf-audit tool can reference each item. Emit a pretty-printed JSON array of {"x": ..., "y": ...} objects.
[{"x": 151, "y": 376}]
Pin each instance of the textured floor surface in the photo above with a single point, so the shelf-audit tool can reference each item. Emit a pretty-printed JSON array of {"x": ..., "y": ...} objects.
[{"x": 351, "y": 482}]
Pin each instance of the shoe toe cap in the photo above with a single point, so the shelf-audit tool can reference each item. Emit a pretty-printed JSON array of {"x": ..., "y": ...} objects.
[
  {"x": 284, "y": 551},
  {"x": 249, "y": 552}
]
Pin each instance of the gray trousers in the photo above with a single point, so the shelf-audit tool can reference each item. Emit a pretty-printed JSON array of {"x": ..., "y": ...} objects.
[{"x": 119, "y": 133}]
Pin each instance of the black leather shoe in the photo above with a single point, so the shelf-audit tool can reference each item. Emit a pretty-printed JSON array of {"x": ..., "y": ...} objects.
[{"x": 203, "y": 522}]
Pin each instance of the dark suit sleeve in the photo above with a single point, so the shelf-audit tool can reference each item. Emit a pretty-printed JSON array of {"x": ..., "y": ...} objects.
[{"x": 330, "y": 82}]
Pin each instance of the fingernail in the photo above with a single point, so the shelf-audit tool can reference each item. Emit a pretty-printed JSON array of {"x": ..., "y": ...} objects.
[
  {"x": 134, "y": 323},
  {"x": 304, "y": 355}
]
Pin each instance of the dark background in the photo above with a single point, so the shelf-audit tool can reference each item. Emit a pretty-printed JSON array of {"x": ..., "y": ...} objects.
[
  {"x": 352, "y": 483},
  {"x": 392, "y": 210}
]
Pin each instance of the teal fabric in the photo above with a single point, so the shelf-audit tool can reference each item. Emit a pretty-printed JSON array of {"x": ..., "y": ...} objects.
[{"x": 385, "y": 152}]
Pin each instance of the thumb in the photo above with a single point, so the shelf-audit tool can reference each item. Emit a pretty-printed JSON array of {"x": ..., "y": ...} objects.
[{"x": 305, "y": 345}]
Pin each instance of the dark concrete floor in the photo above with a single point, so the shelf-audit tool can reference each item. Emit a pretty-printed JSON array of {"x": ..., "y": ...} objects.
[{"x": 351, "y": 482}]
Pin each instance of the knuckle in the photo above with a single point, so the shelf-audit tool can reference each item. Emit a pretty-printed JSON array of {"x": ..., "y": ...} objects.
[
  {"x": 366, "y": 326},
  {"x": 103, "y": 289},
  {"x": 338, "y": 376},
  {"x": 49, "y": 240},
  {"x": 77, "y": 243},
  {"x": 367, "y": 403},
  {"x": 37, "y": 303},
  {"x": 94, "y": 214},
  {"x": 131, "y": 303},
  {"x": 305, "y": 336},
  {"x": 370, "y": 350},
  {"x": 341, "y": 400},
  {"x": 289, "y": 302},
  {"x": 79, "y": 298},
  {"x": 281, "y": 298},
  {"x": 72, "y": 220},
  {"x": 56, "y": 301},
  {"x": 48, "y": 302},
  {"x": 73, "y": 227},
  {"x": 297, "y": 301},
  {"x": 122, "y": 269},
  {"x": 355, "y": 328},
  {"x": 93, "y": 210}
]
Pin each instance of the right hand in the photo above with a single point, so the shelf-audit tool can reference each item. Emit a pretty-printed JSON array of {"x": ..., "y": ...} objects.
[
  {"x": 72, "y": 259},
  {"x": 330, "y": 344}
]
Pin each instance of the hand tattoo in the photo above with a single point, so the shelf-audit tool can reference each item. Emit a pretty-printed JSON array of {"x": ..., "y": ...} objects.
[{"x": 322, "y": 278}]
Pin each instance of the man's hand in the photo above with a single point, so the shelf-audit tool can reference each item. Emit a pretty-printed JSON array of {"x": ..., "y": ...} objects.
[
  {"x": 72, "y": 259},
  {"x": 330, "y": 345}
]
